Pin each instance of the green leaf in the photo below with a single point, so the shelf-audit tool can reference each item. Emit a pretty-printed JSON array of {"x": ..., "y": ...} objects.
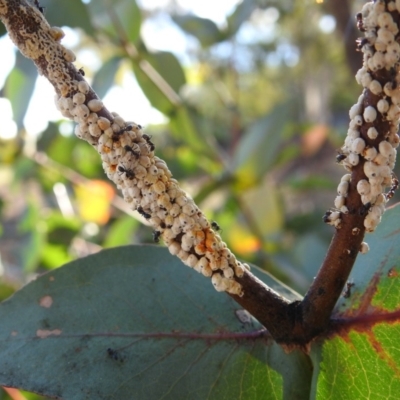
[
  {"x": 308, "y": 253},
  {"x": 361, "y": 359},
  {"x": 120, "y": 232},
  {"x": 242, "y": 13},
  {"x": 134, "y": 323},
  {"x": 71, "y": 13},
  {"x": 264, "y": 205},
  {"x": 105, "y": 76},
  {"x": 185, "y": 130},
  {"x": 128, "y": 18},
  {"x": 203, "y": 29},
  {"x": 153, "y": 92},
  {"x": 19, "y": 87},
  {"x": 169, "y": 68},
  {"x": 259, "y": 145},
  {"x": 36, "y": 238}
]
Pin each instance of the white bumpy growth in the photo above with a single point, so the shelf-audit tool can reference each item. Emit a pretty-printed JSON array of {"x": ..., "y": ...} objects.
[{"x": 377, "y": 107}]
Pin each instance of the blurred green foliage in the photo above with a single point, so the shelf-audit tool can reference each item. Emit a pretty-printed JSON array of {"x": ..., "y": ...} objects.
[{"x": 254, "y": 119}]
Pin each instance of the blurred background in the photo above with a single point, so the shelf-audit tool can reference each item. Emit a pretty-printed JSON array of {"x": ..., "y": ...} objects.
[{"x": 247, "y": 101}]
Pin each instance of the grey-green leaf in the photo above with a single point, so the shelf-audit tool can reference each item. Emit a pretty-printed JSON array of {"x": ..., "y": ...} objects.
[
  {"x": 242, "y": 12},
  {"x": 19, "y": 87},
  {"x": 258, "y": 148},
  {"x": 72, "y": 13},
  {"x": 105, "y": 76},
  {"x": 134, "y": 323},
  {"x": 203, "y": 29}
]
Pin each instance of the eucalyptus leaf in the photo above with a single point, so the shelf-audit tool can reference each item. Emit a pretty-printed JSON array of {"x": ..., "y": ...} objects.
[
  {"x": 135, "y": 323},
  {"x": 104, "y": 77},
  {"x": 19, "y": 87},
  {"x": 241, "y": 13},
  {"x": 259, "y": 146},
  {"x": 361, "y": 357},
  {"x": 203, "y": 29}
]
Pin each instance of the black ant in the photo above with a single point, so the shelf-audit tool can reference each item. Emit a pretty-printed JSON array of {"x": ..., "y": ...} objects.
[
  {"x": 326, "y": 216},
  {"x": 39, "y": 7},
  {"x": 149, "y": 142},
  {"x": 81, "y": 71},
  {"x": 156, "y": 236},
  {"x": 116, "y": 135},
  {"x": 128, "y": 172},
  {"x": 347, "y": 291},
  {"x": 130, "y": 149},
  {"x": 360, "y": 22},
  {"x": 364, "y": 209},
  {"x": 215, "y": 226},
  {"x": 361, "y": 42},
  {"x": 393, "y": 74},
  {"x": 340, "y": 158},
  {"x": 114, "y": 354},
  {"x": 395, "y": 186},
  {"x": 143, "y": 213}
]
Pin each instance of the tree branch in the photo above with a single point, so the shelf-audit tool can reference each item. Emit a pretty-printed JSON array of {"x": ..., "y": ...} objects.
[
  {"x": 147, "y": 184},
  {"x": 128, "y": 159},
  {"x": 369, "y": 153}
]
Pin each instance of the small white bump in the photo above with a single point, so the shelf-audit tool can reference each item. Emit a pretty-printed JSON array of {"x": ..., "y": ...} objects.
[
  {"x": 375, "y": 87},
  {"x": 83, "y": 87},
  {"x": 393, "y": 112},
  {"x": 94, "y": 130},
  {"x": 388, "y": 88},
  {"x": 69, "y": 55},
  {"x": 174, "y": 248},
  {"x": 385, "y": 20},
  {"x": 57, "y": 33},
  {"x": 372, "y": 133},
  {"x": 353, "y": 159},
  {"x": 364, "y": 248},
  {"x": 363, "y": 187},
  {"x": 370, "y": 114},
  {"x": 339, "y": 201},
  {"x": 103, "y": 123},
  {"x": 346, "y": 178},
  {"x": 181, "y": 200},
  {"x": 228, "y": 273},
  {"x": 355, "y": 110},
  {"x": 192, "y": 260},
  {"x": 81, "y": 111},
  {"x": 357, "y": 146},
  {"x": 343, "y": 188},
  {"x": 95, "y": 105},
  {"x": 92, "y": 118},
  {"x": 383, "y": 106},
  {"x": 386, "y": 149},
  {"x": 381, "y": 160},
  {"x": 358, "y": 120},
  {"x": 78, "y": 98},
  {"x": 370, "y": 169},
  {"x": 385, "y": 36}
]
